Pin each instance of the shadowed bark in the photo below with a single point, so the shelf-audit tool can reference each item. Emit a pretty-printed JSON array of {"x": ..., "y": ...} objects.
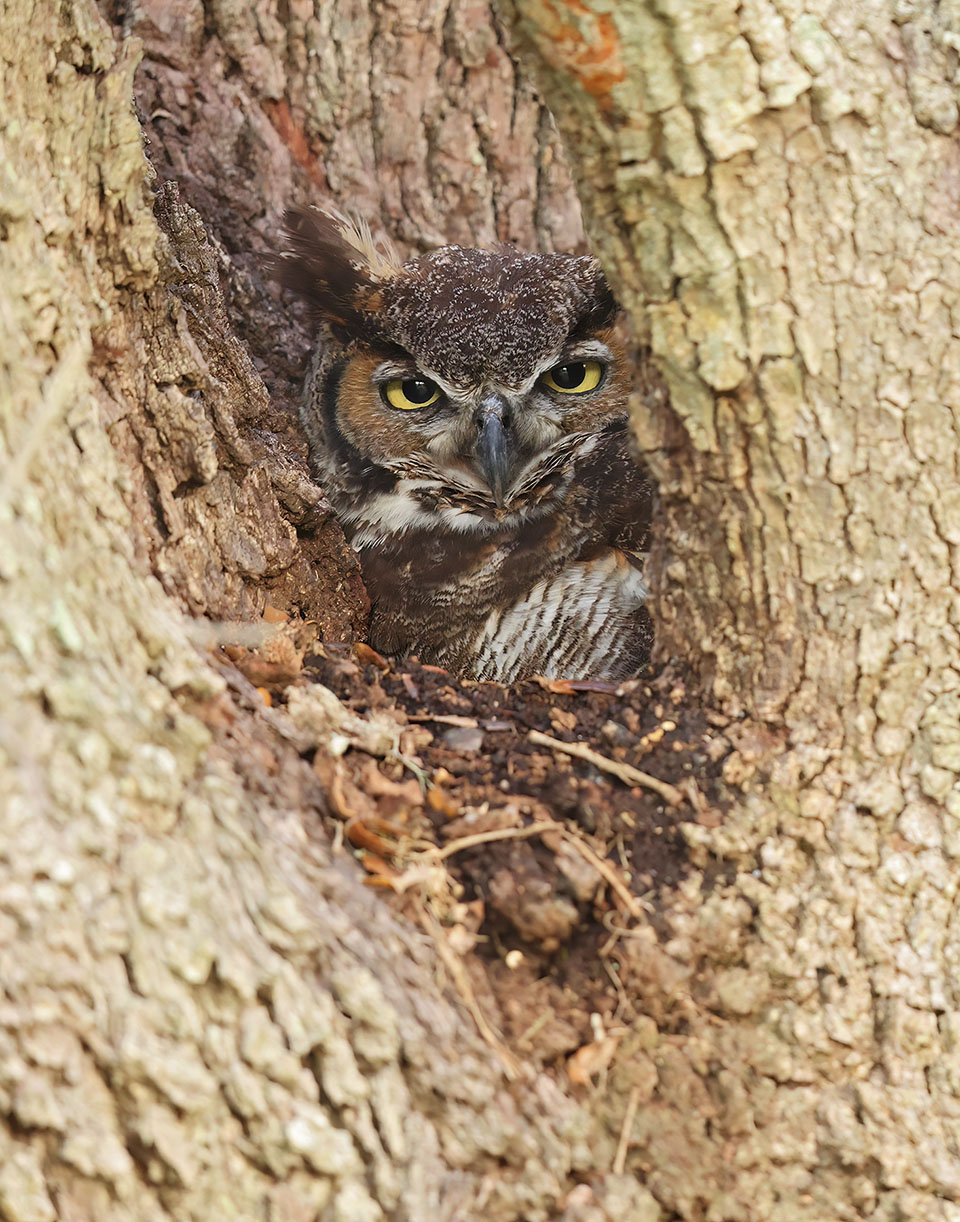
[{"x": 204, "y": 1012}]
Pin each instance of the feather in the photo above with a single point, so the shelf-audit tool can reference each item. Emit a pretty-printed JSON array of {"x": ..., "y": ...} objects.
[
  {"x": 379, "y": 256},
  {"x": 335, "y": 265}
]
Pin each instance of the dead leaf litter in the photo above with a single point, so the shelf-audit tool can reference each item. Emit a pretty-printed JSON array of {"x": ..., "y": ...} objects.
[{"x": 515, "y": 824}]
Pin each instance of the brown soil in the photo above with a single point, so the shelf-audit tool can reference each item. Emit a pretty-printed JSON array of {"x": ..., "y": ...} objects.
[{"x": 546, "y": 934}]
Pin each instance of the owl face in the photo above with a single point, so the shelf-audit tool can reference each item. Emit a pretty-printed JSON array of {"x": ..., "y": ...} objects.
[
  {"x": 482, "y": 430},
  {"x": 460, "y": 382}
]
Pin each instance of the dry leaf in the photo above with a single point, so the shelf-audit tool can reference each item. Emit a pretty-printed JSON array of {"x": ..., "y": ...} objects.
[
  {"x": 406, "y": 793},
  {"x": 361, "y": 837},
  {"x": 443, "y": 803},
  {"x": 377, "y": 866},
  {"x": 557, "y": 687},
  {"x": 363, "y": 653},
  {"x": 591, "y": 1060}
]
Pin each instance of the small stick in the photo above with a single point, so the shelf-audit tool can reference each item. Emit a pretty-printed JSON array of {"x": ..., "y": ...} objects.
[
  {"x": 620, "y": 1160},
  {"x": 501, "y": 833},
  {"x": 454, "y": 965},
  {"x": 603, "y": 868},
  {"x": 539, "y": 1022},
  {"x": 624, "y": 772},
  {"x": 606, "y": 872},
  {"x": 445, "y": 719}
]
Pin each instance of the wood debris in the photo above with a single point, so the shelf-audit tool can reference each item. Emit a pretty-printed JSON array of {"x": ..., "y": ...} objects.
[{"x": 624, "y": 772}]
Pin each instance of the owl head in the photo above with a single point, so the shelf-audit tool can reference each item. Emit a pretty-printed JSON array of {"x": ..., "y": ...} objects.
[{"x": 465, "y": 377}]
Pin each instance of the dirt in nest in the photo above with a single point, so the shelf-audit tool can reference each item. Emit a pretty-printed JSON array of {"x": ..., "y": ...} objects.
[{"x": 542, "y": 917}]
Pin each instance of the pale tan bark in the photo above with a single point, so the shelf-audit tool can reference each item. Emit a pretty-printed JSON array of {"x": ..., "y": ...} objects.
[
  {"x": 202, "y": 1014},
  {"x": 773, "y": 187}
]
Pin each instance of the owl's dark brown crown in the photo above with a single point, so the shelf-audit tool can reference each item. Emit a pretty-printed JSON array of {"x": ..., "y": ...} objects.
[
  {"x": 490, "y": 436},
  {"x": 478, "y": 313},
  {"x": 510, "y": 307}
]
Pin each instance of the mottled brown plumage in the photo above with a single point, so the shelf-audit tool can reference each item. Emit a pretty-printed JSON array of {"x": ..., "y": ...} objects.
[{"x": 466, "y": 414}]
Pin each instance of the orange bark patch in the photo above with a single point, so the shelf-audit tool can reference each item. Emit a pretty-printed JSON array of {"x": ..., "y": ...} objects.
[
  {"x": 583, "y": 43},
  {"x": 292, "y": 135}
]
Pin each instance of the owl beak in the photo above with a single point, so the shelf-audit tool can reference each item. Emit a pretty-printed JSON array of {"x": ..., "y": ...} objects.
[{"x": 492, "y": 447}]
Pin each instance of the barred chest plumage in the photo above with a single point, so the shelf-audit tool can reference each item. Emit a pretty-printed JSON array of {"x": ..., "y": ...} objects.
[
  {"x": 466, "y": 416},
  {"x": 585, "y": 620}
]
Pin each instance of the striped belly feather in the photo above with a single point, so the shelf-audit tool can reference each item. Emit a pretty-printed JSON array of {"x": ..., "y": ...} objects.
[{"x": 569, "y": 625}]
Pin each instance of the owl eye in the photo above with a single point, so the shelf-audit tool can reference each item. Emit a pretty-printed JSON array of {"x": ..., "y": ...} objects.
[
  {"x": 575, "y": 378},
  {"x": 407, "y": 394}
]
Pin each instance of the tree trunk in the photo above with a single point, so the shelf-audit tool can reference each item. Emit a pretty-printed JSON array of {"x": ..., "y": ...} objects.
[
  {"x": 773, "y": 188},
  {"x": 205, "y": 1013}
]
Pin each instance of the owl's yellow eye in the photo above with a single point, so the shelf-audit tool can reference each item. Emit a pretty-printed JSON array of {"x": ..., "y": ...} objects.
[
  {"x": 575, "y": 378},
  {"x": 407, "y": 394}
]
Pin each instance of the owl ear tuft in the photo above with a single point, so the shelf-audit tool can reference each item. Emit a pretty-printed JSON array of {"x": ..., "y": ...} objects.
[{"x": 334, "y": 264}]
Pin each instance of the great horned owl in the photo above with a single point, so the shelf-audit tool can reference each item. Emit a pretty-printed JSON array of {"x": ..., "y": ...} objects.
[{"x": 466, "y": 415}]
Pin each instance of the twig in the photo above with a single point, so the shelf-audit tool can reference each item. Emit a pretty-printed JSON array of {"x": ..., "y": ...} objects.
[
  {"x": 620, "y": 1159},
  {"x": 694, "y": 796},
  {"x": 624, "y": 772},
  {"x": 609, "y": 922},
  {"x": 603, "y": 868},
  {"x": 606, "y": 872},
  {"x": 454, "y": 965},
  {"x": 501, "y": 833},
  {"x": 445, "y": 719},
  {"x": 539, "y": 1022},
  {"x": 622, "y": 1000}
]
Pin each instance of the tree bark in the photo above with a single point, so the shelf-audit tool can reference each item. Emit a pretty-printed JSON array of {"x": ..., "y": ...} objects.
[
  {"x": 773, "y": 189},
  {"x": 205, "y": 1013}
]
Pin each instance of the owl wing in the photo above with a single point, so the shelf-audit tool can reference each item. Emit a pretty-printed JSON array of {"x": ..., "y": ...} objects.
[{"x": 614, "y": 497}]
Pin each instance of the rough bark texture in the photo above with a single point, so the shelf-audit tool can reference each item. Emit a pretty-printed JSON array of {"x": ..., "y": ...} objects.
[
  {"x": 202, "y": 1016},
  {"x": 413, "y": 116},
  {"x": 773, "y": 186},
  {"x": 204, "y": 1013}
]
